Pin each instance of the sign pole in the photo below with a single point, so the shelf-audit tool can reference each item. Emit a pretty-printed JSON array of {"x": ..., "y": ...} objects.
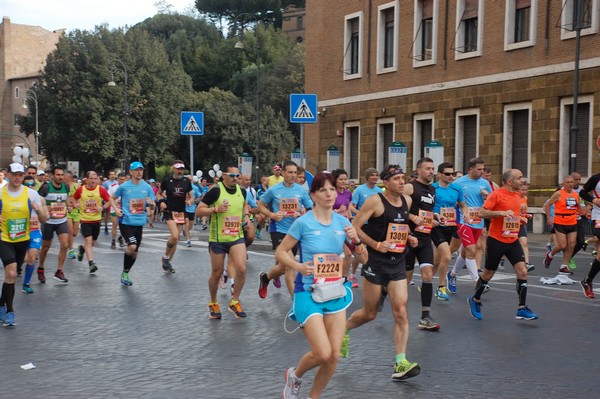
[
  {"x": 302, "y": 145},
  {"x": 191, "y": 154}
]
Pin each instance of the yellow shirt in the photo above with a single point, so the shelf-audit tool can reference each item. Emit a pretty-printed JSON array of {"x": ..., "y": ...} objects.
[{"x": 273, "y": 180}]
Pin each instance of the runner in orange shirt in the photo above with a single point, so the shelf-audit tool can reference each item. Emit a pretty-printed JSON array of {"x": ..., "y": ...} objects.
[{"x": 503, "y": 208}]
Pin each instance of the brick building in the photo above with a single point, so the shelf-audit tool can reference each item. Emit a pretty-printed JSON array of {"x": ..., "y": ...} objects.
[
  {"x": 492, "y": 79},
  {"x": 293, "y": 23},
  {"x": 23, "y": 51}
]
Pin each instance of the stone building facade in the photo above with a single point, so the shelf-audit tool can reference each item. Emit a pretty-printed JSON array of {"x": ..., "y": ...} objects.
[
  {"x": 493, "y": 79},
  {"x": 23, "y": 52}
]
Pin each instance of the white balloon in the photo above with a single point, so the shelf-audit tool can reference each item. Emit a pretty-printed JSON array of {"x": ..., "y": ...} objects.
[
  {"x": 216, "y": 167},
  {"x": 219, "y": 173},
  {"x": 199, "y": 173},
  {"x": 16, "y": 159},
  {"x": 211, "y": 173},
  {"x": 18, "y": 151},
  {"x": 26, "y": 152}
]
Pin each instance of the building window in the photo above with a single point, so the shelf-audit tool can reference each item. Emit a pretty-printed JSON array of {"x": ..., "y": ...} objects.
[
  {"x": 425, "y": 41},
  {"x": 585, "y": 146},
  {"x": 17, "y": 93},
  {"x": 300, "y": 23},
  {"x": 588, "y": 16},
  {"x": 467, "y": 137},
  {"x": 517, "y": 137},
  {"x": 351, "y": 150},
  {"x": 469, "y": 20},
  {"x": 520, "y": 24},
  {"x": 387, "y": 57},
  {"x": 385, "y": 137},
  {"x": 423, "y": 133},
  {"x": 353, "y": 46}
]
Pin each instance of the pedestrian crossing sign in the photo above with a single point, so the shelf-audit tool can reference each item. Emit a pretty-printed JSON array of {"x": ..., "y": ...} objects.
[
  {"x": 303, "y": 108},
  {"x": 192, "y": 123}
]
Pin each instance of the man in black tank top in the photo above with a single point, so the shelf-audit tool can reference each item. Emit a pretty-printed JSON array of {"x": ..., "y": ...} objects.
[
  {"x": 386, "y": 236},
  {"x": 421, "y": 222}
]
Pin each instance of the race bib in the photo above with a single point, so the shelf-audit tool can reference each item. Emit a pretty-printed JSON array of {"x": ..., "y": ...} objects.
[
  {"x": 178, "y": 217},
  {"x": 289, "y": 205},
  {"x": 511, "y": 226},
  {"x": 90, "y": 206},
  {"x": 328, "y": 267},
  {"x": 16, "y": 228},
  {"x": 58, "y": 210},
  {"x": 571, "y": 203},
  {"x": 449, "y": 214},
  {"x": 474, "y": 215},
  {"x": 137, "y": 206},
  {"x": 231, "y": 226},
  {"x": 428, "y": 222},
  {"x": 397, "y": 235},
  {"x": 34, "y": 224}
]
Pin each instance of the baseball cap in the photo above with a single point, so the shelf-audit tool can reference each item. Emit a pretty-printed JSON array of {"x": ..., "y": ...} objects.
[
  {"x": 152, "y": 181},
  {"x": 41, "y": 172},
  {"x": 17, "y": 168},
  {"x": 276, "y": 167},
  {"x": 136, "y": 165},
  {"x": 178, "y": 164}
]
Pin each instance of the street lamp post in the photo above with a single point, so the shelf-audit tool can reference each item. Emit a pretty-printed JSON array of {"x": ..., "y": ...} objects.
[
  {"x": 33, "y": 95},
  {"x": 577, "y": 18},
  {"x": 240, "y": 45},
  {"x": 123, "y": 69}
]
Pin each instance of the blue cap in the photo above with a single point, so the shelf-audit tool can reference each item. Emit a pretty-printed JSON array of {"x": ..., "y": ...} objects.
[
  {"x": 152, "y": 181},
  {"x": 136, "y": 165}
]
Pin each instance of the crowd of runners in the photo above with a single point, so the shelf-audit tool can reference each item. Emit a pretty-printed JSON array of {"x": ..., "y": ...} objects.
[{"x": 392, "y": 225}]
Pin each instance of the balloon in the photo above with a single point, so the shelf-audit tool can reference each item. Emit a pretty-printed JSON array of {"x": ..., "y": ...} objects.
[
  {"x": 211, "y": 173},
  {"x": 199, "y": 173},
  {"x": 216, "y": 167},
  {"x": 219, "y": 173},
  {"x": 16, "y": 158},
  {"x": 26, "y": 152},
  {"x": 18, "y": 151}
]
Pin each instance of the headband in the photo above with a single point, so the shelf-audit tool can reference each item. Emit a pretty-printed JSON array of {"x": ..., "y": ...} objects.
[{"x": 391, "y": 173}]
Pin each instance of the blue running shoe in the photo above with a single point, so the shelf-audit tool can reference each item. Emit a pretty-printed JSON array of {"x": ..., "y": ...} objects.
[
  {"x": 451, "y": 283},
  {"x": 475, "y": 308},
  {"x": 9, "y": 321},
  {"x": 442, "y": 294},
  {"x": 526, "y": 314},
  {"x": 2, "y": 314}
]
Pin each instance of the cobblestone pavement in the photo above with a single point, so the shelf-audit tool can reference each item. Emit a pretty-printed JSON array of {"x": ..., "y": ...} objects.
[{"x": 93, "y": 338}]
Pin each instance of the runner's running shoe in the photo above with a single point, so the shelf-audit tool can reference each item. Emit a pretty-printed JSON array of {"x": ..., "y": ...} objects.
[
  {"x": 81, "y": 251},
  {"x": 428, "y": 324},
  {"x": 27, "y": 289},
  {"x": 474, "y": 308},
  {"x": 277, "y": 282},
  {"x": 236, "y": 309},
  {"x": 572, "y": 264},
  {"x": 121, "y": 242},
  {"x": 2, "y": 313},
  {"x": 565, "y": 270},
  {"x": 547, "y": 260},
  {"x": 215, "y": 311},
  {"x": 9, "y": 321},
  {"x": 588, "y": 291},
  {"x": 71, "y": 254},
  {"x": 60, "y": 276},
  {"x": 354, "y": 281},
  {"x": 291, "y": 390},
  {"x": 263, "y": 284},
  {"x": 442, "y": 294},
  {"x": 113, "y": 244},
  {"x": 451, "y": 283},
  {"x": 166, "y": 265},
  {"x": 125, "y": 279},
  {"x": 41, "y": 275},
  {"x": 526, "y": 314},
  {"x": 405, "y": 369},
  {"x": 93, "y": 268}
]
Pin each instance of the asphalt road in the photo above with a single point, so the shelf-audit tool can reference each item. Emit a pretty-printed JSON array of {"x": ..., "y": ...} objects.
[{"x": 94, "y": 338}]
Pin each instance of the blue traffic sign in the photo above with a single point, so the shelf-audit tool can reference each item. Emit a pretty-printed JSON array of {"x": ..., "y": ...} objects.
[
  {"x": 303, "y": 108},
  {"x": 192, "y": 123}
]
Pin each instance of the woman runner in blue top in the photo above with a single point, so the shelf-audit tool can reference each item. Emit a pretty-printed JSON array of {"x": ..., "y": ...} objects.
[{"x": 321, "y": 234}]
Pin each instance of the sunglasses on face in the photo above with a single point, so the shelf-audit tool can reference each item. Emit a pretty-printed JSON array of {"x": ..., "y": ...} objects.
[
  {"x": 449, "y": 173},
  {"x": 29, "y": 184},
  {"x": 232, "y": 175}
]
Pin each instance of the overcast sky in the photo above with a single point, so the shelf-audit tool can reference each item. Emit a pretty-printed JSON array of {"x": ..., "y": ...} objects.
[{"x": 83, "y": 14}]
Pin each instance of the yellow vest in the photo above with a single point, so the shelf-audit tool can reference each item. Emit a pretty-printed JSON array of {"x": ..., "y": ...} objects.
[
  {"x": 89, "y": 201},
  {"x": 15, "y": 216}
]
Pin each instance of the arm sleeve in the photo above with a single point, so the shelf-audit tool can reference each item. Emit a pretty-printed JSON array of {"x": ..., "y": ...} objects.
[
  {"x": 77, "y": 194},
  {"x": 104, "y": 194},
  {"x": 588, "y": 187},
  {"x": 211, "y": 196},
  {"x": 43, "y": 191}
]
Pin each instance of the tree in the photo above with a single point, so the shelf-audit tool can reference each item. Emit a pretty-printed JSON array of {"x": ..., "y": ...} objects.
[
  {"x": 230, "y": 130},
  {"x": 83, "y": 118}
]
